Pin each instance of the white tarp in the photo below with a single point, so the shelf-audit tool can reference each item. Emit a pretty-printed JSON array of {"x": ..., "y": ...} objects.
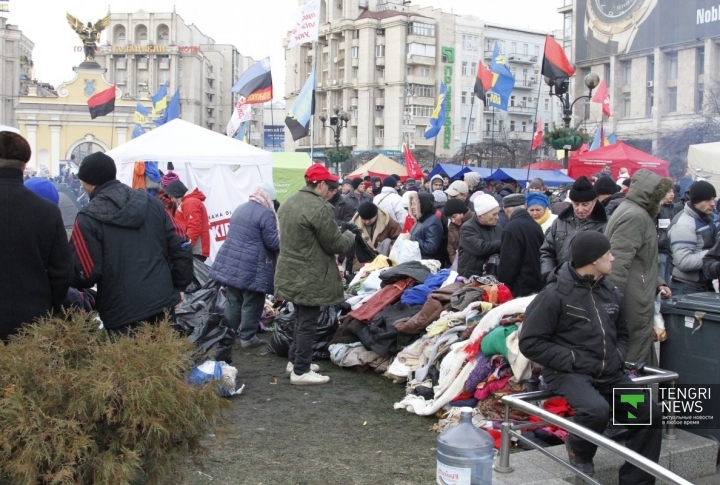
[
  {"x": 203, "y": 159},
  {"x": 704, "y": 161}
]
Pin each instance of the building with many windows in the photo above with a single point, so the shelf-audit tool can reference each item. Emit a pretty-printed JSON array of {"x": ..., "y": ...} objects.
[
  {"x": 659, "y": 60},
  {"x": 17, "y": 66},
  {"x": 383, "y": 63}
]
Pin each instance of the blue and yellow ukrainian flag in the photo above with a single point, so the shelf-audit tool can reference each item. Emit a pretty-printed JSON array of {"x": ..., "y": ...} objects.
[{"x": 437, "y": 120}]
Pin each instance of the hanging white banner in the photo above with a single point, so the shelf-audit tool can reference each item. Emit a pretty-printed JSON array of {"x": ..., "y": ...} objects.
[{"x": 307, "y": 22}]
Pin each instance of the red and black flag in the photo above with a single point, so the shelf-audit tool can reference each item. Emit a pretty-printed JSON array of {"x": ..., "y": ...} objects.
[
  {"x": 483, "y": 81},
  {"x": 255, "y": 85},
  {"x": 102, "y": 103},
  {"x": 555, "y": 64}
]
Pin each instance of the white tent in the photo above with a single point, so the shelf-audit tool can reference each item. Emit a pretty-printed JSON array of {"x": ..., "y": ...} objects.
[
  {"x": 703, "y": 161},
  {"x": 202, "y": 159}
]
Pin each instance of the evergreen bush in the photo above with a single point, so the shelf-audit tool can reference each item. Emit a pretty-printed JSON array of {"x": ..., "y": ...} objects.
[{"x": 78, "y": 408}]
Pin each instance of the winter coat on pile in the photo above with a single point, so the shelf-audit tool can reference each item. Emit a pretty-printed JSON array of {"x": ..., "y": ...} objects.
[
  {"x": 633, "y": 241},
  {"x": 247, "y": 258},
  {"x": 352, "y": 199},
  {"x": 428, "y": 230},
  {"x": 454, "y": 236},
  {"x": 193, "y": 218},
  {"x": 391, "y": 202},
  {"x": 691, "y": 236},
  {"x": 576, "y": 325},
  {"x": 34, "y": 254},
  {"x": 477, "y": 243},
  {"x": 125, "y": 242},
  {"x": 556, "y": 248},
  {"x": 664, "y": 219},
  {"x": 343, "y": 210},
  {"x": 307, "y": 272},
  {"x": 519, "y": 266},
  {"x": 385, "y": 228}
]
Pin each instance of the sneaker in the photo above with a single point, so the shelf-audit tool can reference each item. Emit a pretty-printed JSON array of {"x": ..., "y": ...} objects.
[
  {"x": 308, "y": 379},
  {"x": 251, "y": 344},
  {"x": 585, "y": 466},
  {"x": 290, "y": 366}
]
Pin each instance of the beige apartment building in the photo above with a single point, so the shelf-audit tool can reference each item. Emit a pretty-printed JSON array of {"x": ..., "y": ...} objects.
[
  {"x": 382, "y": 61},
  {"x": 659, "y": 58},
  {"x": 17, "y": 67}
]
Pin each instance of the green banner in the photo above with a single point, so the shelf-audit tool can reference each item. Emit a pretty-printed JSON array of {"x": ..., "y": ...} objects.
[{"x": 287, "y": 181}]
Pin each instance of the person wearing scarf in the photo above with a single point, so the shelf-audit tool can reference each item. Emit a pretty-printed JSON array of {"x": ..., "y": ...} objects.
[
  {"x": 246, "y": 261},
  {"x": 538, "y": 205}
]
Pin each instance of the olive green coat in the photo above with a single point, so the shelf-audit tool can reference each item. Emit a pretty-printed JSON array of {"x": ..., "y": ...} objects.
[{"x": 307, "y": 272}]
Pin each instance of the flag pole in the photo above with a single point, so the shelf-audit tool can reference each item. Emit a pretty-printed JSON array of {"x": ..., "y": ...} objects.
[
  {"x": 434, "y": 151},
  {"x": 537, "y": 107},
  {"x": 112, "y": 129},
  {"x": 312, "y": 115},
  {"x": 467, "y": 135},
  {"x": 492, "y": 144}
]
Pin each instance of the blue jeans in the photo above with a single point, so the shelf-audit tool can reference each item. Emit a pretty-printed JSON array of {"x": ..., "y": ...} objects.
[
  {"x": 682, "y": 288},
  {"x": 243, "y": 311},
  {"x": 665, "y": 268}
]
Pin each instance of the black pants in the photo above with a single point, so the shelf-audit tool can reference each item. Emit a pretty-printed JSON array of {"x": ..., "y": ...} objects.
[
  {"x": 301, "y": 350},
  {"x": 200, "y": 257},
  {"x": 592, "y": 403},
  {"x": 131, "y": 327}
]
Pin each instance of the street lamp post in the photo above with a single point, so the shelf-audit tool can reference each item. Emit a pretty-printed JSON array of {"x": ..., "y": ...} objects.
[
  {"x": 337, "y": 122},
  {"x": 559, "y": 89}
]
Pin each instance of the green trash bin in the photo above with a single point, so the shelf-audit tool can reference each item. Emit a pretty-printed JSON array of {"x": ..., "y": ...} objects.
[{"x": 692, "y": 323}]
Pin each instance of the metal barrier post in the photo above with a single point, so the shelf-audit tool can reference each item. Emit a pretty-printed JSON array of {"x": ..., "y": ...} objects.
[
  {"x": 669, "y": 431},
  {"x": 503, "y": 464}
]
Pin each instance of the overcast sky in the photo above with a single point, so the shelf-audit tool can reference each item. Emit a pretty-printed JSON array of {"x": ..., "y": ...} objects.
[{"x": 255, "y": 27}]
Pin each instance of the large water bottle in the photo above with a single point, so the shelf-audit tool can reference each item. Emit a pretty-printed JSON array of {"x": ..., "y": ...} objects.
[{"x": 464, "y": 454}]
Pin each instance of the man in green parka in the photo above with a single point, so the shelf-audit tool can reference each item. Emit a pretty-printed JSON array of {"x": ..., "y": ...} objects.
[{"x": 307, "y": 273}]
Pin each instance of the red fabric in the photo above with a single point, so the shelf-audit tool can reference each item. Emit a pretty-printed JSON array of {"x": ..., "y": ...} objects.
[
  {"x": 537, "y": 137},
  {"x": 601, "y": 96},
  {"x": 492, "y": 386},
  {"x": 463, "y": 396},
  {"x": 413, "y": 169},
  {"x": 554, "y": 59},
  {"x": 193, "y": 218},
  {"x": 544, "y": 165},
  {"x": 318, "y": 173},
  {"x": 618, "y": 155},
  {"x": 384, "y": 297},
  {"x": 483, "y": 81},
  {"x": 497, "y": 435},
  {"x": 409, "y": 223}
]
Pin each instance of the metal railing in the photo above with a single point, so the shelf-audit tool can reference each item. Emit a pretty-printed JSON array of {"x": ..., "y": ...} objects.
[{"x": 519, "y": 401}]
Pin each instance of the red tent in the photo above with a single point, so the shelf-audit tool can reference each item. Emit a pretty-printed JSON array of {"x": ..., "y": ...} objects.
[
  {"x": 618, "y": 155},
  {"x": 544, "y": 165}
]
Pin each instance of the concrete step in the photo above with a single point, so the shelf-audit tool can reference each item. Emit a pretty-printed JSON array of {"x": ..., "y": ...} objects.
[{"x": 690, "y": 456}]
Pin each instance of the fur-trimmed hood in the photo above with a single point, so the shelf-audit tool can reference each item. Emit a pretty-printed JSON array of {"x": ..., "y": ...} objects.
[{"x": 648, "y": 189}]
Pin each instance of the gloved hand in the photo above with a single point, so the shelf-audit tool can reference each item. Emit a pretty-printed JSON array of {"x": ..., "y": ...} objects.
[{"x": 345, "y": 226}]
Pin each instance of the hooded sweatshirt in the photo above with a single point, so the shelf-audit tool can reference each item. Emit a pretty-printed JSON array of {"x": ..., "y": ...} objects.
[{"x": 193, "y": 218}]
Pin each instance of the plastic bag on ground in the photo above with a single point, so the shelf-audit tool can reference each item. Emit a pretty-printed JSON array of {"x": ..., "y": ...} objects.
[
  {"x": 210, "y": 371},
  {"x": 285, "y": 322},
  {"x": 201, "y": 276}
]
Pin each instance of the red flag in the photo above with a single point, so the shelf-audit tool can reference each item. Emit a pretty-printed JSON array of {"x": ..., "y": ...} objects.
[
  {"x": 537, "y": 138},
  {"x": 411, "y": 165},
  {"x": 555, "y": 63},
  {"x": 603, "y": 97},
  {"x": 483, "y": 81},
  {"x": 102, "y": 103}
]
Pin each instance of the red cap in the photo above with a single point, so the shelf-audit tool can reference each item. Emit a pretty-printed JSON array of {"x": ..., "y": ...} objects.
[{"x": 318, "y": 173}]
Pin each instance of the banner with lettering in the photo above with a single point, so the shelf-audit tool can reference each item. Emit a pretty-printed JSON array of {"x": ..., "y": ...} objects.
[{"x": 307, "y": 21}]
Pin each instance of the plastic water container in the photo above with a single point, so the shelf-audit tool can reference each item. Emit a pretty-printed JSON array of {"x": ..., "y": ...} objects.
[{"x": 464, "y": 454}]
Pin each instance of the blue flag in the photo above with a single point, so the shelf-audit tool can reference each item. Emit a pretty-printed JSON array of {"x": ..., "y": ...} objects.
[
  {"x": 503, "y": 81},
  {"x": 137, "y": 131},
  {"x": 437, "y": 120},
  {"x": 241, "y": 132},
  {"x": 172, "y": 111},
  {"x": 141, "y": 113},
  {"x": 298, "y": 118}
]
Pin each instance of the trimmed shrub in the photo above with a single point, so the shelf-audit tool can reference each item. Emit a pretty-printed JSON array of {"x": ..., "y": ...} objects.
[{"x": 78, "y": 408}]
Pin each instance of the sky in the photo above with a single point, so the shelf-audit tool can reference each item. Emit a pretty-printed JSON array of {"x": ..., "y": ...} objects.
[{"x": 256, "y": 28}]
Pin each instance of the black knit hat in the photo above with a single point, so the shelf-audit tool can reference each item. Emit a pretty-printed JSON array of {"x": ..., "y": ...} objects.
[
  {"x": 356, "y": 182},
  {"x": 455, "y": 206},
  {"x": 582, "y": 190},
  {"x": 605, "y": 186},
  {"x": 701, "y": 190},
  {"x": 96, "y": 169},
  {"x": 588, "y": 247},
  {"x": 367, "y": 210},
  {"x": 389, "y": 181},
  {"x": 513, "y": 200},
  {"x": 176, "y": 189}
]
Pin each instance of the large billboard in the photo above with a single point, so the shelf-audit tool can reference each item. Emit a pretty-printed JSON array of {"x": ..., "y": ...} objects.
[
  {"x": 274, "y": 138},
  {"x": 608, "y": 27}
]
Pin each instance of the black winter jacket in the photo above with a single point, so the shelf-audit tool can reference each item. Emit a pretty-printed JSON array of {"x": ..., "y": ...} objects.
[
  {"x": 664, "y": 218},
  {"x": 477, "y": 244},
  {"x": 125, "y": 242},
  {"x": 519, "y": 266},
  {"x": 576, "y": 324},
  {"x": 352, "y": 199},
  {"x": 34, "y": 256},
  {"x": 343, "y": 210},
  {"x": 428, "y": 230}
]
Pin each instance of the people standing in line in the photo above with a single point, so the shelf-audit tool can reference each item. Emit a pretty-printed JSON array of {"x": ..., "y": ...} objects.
[
  {"x": 633, "y": 239},
  {"x": 399, "y": 186},
  {"x": 342, "y": 209},
  {"x": 379, "y": 230},
  {"x": 472, "y": 180},
  {"x": 538, "y": 206},
  {"x": 436, "y": 183},
  {"x": 458, "y": 190},
  {"x": 307, "y": 273},
  {"x": 427, "y": 230},
  {"x": 346, "y": 187},
  {"x": 584, "y": 214},
  {"x": 607, "y": 191},
  {"x": 390, "y": 201},
  {"x": 457, "y": 214},
  {"x": 480, "y": 237},
  {"x": 377, "y": 185},
  {"x": 358, "y": 195},
  {"x": 128, "y": 245},
  {"x": 34, "y": 254},
  {"x": 192, "y": 216},
  {"x": 691, "y": 236},
  {"x": 664, "y": 220},
  {"x": 537, "y": 185},
  {"x": 246, "y": 261},
  {"x": 522, "y": 237},
  {"x": 623, "y": 175},
  {"x": 577, "y": 330},
  {"x": 411, "y": 203}
]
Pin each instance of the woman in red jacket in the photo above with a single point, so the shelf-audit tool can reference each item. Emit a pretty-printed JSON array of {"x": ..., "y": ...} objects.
[{"x": 192, "y": 217}]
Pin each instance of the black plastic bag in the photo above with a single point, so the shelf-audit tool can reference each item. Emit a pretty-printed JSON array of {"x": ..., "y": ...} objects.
[
  {"x": 283, "y": 332},
  {"x": 201, "y": 276}
]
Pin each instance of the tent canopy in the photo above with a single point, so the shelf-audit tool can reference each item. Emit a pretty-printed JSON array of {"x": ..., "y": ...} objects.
[
  {"x": 618, "y": 155},
  {"x": 380, "y": 166},
  {"x": 544, "y": 165},
  {"x": 454, "y": 172},
  {"x": 289, "y": 172},
  {"x": 552, "y": 178},
  {"x": 703, "y": 161}
]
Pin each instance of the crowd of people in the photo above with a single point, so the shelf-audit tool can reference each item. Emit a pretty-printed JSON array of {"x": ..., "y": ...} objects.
[{"x": 599, "y": 254}]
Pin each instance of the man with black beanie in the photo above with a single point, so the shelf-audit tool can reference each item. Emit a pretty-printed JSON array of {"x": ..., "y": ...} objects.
[
  {"x": 358, "y": 195},
  {"x": 584, "y": 214},
  {"x": 457, "y": 213},
  {"x": 691, "y": 236},
  {"x": 577, "y": 330},
  {"x": 608, "y": 193},
  {"x": 379, "y": 231},
  {"x": 127, "y": 244}
]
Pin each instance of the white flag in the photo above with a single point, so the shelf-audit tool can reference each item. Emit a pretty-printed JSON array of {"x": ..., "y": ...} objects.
[{"x": 307, "y": 22}]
